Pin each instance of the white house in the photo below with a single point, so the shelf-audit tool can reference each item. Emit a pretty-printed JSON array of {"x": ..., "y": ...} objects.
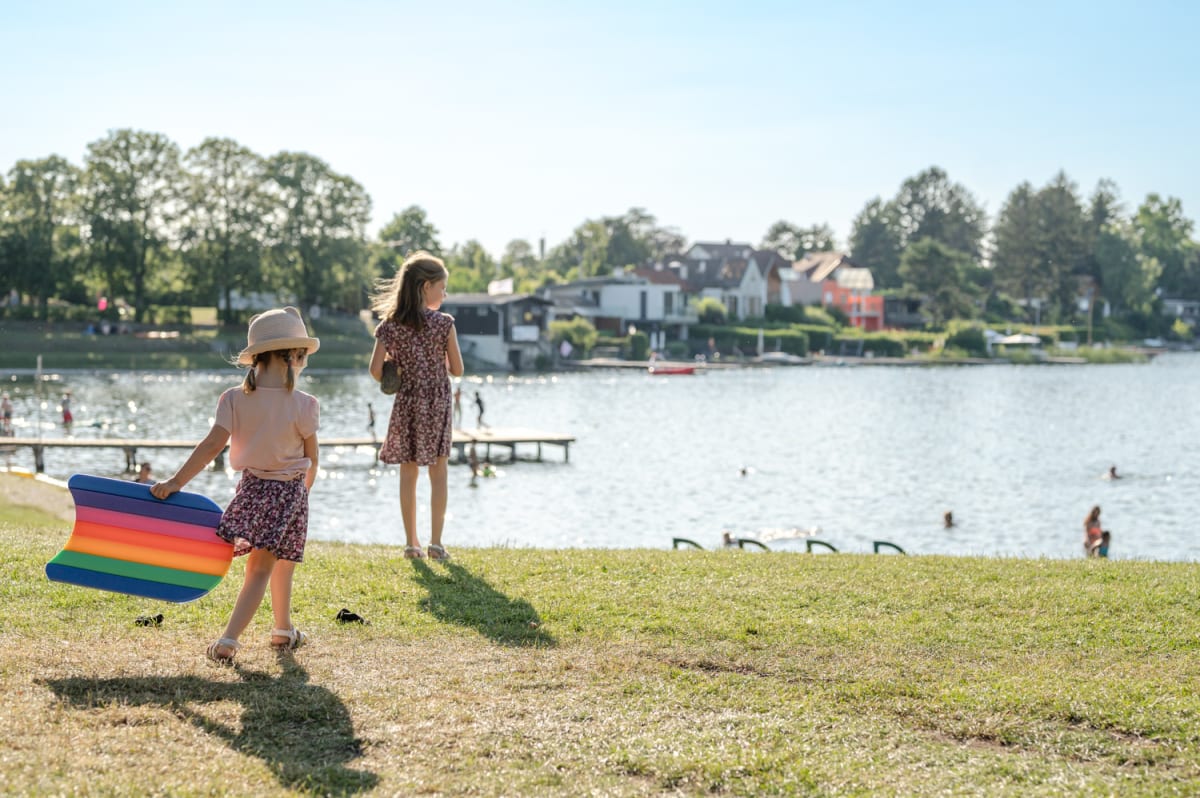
[
  {"x": 727, "y": 272},
  {"x": 1186, "y": 309},
  {"x": 651, "y": 300}
]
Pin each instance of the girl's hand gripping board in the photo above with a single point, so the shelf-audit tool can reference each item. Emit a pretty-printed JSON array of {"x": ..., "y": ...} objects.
[{"x": 127, "y": 541}]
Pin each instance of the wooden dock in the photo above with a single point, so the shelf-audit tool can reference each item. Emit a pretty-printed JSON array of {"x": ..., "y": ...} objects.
[{"x": 485, "y": 438}]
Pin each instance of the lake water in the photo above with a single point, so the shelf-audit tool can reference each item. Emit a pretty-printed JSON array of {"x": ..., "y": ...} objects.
[{"x": 863, "y": 453}]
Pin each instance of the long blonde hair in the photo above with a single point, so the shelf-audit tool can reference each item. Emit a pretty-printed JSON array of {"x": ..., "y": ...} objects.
[
  {"x": 289, "y": 356},
  {"x": 399, "y": 299}
]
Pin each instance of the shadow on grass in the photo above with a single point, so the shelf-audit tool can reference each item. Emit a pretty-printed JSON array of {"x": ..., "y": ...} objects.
[
  {"x": 302, "y": 732},
  {"x": 459, "y": 596}
]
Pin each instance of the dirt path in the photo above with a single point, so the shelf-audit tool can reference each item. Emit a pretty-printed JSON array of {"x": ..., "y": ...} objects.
[{"x": 29, "y": 491}]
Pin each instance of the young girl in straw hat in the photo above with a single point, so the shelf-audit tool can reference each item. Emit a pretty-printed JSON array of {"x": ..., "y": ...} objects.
[
  {"x": 422, "y": 342},
  {"x": 271, "y": 429}
]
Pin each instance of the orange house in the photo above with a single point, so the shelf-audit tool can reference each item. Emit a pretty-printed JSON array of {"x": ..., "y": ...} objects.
[{"x": 863, "y": 310}]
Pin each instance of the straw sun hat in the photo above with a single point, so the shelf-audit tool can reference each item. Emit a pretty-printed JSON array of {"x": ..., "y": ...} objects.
[{"x": 276, "y": 329}]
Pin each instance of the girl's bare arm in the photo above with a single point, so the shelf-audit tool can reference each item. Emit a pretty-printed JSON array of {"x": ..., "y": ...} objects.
[
  {"x": 311, "y": 450},
  {"x": 207, "y": 449},
  {"x": 454, "y": 361},
  {"x": 378, "y": 355}
]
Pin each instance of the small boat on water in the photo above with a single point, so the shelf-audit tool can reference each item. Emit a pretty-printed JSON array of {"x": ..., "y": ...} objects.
[{"x": 665, "y": 370}]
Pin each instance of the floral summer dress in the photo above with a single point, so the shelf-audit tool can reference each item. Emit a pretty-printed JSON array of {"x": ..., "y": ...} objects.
[{"x": 419, "y": 430}]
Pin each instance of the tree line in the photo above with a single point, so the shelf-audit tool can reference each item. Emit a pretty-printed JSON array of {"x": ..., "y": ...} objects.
[{"x": 143, "y": 220}]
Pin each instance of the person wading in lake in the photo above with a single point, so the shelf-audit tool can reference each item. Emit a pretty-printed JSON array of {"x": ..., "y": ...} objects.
[{"x": 1093, "y": 536}]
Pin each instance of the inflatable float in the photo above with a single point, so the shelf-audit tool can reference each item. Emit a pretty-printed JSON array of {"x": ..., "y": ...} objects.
[{"x": 126, "y": 541}]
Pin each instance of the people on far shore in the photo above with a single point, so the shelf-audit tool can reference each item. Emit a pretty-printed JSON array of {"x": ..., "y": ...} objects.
[
  {"x": 6, "y": 415},
  {"x": 948, "y": 520},
  {"x": 1093, "y": 534},
  {"x": 68, "y": 419},
  {"x": 478, "y": 410}
]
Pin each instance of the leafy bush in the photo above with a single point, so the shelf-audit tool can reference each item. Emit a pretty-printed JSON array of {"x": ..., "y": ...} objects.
[
  {"x": 711, "y": 311},
  {"x": 970, "y": 339},
  {"x": 639, "y": 346},
  {"x": 677, "y": 349},
  {"x": 789, "y": 314},
  {"x": 579, "y": 332},
  {"x": 815, "y": 314}
]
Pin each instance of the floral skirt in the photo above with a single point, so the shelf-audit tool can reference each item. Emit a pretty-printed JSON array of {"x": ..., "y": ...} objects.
[{"x": 267, "y": 514}]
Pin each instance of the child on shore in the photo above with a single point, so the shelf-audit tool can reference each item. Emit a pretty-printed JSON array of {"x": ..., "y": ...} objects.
[
  {"x": 271, "y": 429},
  {"x": 423, "y": 343},
  {"x": 1092, "y": 533},
  {"x": 6, "y": 415}
]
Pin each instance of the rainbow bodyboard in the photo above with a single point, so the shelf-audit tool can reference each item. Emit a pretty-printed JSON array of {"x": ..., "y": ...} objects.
[{"x": 126, "y": 541}]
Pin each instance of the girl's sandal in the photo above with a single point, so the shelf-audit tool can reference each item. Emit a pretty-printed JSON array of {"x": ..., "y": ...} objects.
[
  {"x": 215, "y": 654},
  {"x": 295, "y": 639},
  {"x": 413, "y": 553},
  {"x": 438, "y": 553}
]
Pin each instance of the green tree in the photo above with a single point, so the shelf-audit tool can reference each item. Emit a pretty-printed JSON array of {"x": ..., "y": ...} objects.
[
  {"x": 793, "y": 242},
  {"x": 1040, "y": 241},
  {"x": 1128, "y": 277},
  {"x": 937, "y": 271},
  {"x": 318, "y": 246},
  {"x": 39, "y": 208},
  {"x": 133, "y": 188},
  {"x": 928, "y": 205},
  {"x": 471, "y": 268},
  {"x": 876, "y": 242},
  {"x": 1062, "y": 240},
  {"x": 599, "y": 246},
  {"x": 223, "y": 242},
  {"x": 584, "y": 254},
  {"x": 1165, "y": 234},
  {"x": 1015, "y": 259},
  {"x": 518, "y": 258},
  {"x": 410, "y": 231}
]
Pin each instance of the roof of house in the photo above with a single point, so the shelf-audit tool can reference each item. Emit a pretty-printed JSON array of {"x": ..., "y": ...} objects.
[
  {"x": 768, "y": 259},
  {"x": 720, "y": 251},
  {"x": 488, "y": 299},
  {"x": 659, "y": 276},
  {"x": 855, "y": 278},
  {"x": 820, "y": 266}
]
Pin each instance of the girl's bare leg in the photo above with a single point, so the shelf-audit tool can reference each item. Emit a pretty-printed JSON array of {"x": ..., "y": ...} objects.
[
  {"x": 408, "y": 501},
  {"x": 438, "y": 473},
  {"x": 259, "y": 565},
  {"x": 281, "y": 597}
]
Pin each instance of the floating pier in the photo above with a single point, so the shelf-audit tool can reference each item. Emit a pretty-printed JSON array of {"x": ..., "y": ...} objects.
[{"x": 487, "y": 437}]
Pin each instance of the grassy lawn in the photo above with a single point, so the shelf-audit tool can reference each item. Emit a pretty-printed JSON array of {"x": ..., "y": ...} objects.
[{"x": 623, "y": 672}]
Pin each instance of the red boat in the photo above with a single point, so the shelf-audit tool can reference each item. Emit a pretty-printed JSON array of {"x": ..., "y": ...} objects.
[{"x": 667, "y": 370}]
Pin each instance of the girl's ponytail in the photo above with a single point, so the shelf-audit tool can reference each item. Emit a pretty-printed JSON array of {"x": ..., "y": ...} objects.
[
  {"x": 249, "y": 383},
  {"x": 288, "y": 356}
]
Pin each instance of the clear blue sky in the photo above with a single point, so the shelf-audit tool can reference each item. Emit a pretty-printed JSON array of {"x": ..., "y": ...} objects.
[{"x": 522, "y": 119}]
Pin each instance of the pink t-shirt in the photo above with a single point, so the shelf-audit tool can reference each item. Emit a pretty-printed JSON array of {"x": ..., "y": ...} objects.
[{"x": 267, "y": 428}]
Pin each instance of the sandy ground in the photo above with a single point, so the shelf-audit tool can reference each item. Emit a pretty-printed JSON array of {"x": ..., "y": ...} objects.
[{"x": 42, "y": 493}]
